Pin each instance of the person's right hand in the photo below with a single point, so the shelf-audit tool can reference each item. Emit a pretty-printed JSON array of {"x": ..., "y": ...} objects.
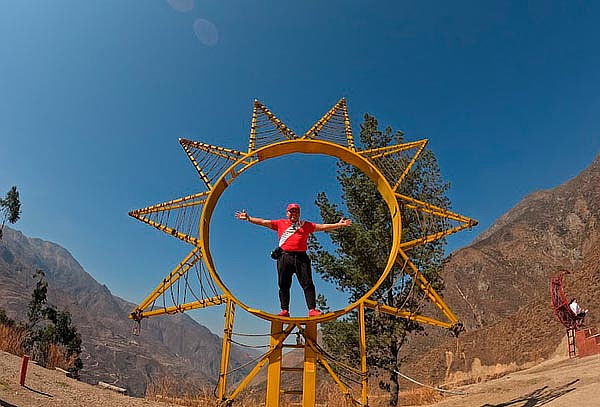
[{"x": 243, "y": 215}]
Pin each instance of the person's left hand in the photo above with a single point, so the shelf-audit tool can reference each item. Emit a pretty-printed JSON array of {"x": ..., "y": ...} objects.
[{"x": 345, "y": 222}]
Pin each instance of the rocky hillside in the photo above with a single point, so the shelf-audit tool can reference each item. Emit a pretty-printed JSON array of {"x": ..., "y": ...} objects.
[
  {"x": 176, "y": 345},
  {"x": 498, "y": 285}
]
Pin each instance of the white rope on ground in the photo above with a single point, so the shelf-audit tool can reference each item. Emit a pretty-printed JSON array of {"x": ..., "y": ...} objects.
[{"x": 460, "y": 393}]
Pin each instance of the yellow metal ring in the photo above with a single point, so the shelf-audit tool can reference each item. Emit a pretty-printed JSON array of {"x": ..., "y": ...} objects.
[{"x": 305, "y": 146}]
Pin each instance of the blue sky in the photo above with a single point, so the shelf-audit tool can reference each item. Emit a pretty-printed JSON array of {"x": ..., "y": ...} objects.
[{"x": 94, "y": 96}]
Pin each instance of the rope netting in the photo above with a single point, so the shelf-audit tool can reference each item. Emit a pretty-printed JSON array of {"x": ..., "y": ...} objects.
[
  {"x": 189, "y": 283},
  {"x": 394, "y": 162},
  {"x": 210, "y": 161},
  {"x": 179, "y": 217},
  {"x": 333, "y": 127},
  {"x": 266, "y": 128}
]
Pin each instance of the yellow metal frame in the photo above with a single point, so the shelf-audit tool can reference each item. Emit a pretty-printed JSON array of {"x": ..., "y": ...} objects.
[{"x": 270, "y": 138}]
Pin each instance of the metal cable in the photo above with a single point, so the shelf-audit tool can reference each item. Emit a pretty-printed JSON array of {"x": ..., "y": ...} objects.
[
  {"x": 249, "y": 346},
  {"x": 330, "y": 357},
  {"x": 209, "y": 279},
  {"x": 243, "y": 334},
  {"x": 345, "y": 377},
  {"x": 246, "y": 364},
  {"x": 460, "y": 393},
  {"x": 202, "y": 291},
  {"x": 386, "y": 292},
  {"x": 187, "y": 285}
]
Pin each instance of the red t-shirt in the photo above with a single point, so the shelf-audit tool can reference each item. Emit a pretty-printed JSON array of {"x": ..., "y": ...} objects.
[{"x": 297, "y": 240}]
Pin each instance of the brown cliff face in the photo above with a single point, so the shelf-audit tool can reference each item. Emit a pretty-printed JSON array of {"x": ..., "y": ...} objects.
[
  {"x": 498, "y": 285},
  {"x": 512, "y": 261},
  {"x": 176, "y": 345}
]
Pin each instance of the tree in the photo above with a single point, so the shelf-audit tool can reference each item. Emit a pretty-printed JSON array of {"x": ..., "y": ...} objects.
[
  {"x": 37, "y": 308},
  {"x": 361, "y": 253},
  {"x": 47, "y": 326},
  {"x": 5, "y": 320},
  {"x": 10, "y": 208}
]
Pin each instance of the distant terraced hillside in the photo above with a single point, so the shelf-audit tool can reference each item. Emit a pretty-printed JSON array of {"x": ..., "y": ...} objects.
[{"x": 176, "y": 345}]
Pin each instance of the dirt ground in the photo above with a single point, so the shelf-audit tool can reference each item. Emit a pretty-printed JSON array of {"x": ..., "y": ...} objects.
[
  {"x": 558, "y": 382},
  {"x": 49, "y": 388}
]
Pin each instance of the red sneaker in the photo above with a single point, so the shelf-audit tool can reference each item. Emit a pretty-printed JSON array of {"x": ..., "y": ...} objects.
[
  {"x": 284, "y": 313},
  {"x": 314, "y": 313}
]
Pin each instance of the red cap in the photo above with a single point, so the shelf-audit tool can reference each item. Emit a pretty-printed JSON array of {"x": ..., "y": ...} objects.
[{"x": 292, "y": 206}]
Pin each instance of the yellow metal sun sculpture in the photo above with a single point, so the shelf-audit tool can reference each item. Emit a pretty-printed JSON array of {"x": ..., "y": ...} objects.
[{"x": 188, "y": 219}]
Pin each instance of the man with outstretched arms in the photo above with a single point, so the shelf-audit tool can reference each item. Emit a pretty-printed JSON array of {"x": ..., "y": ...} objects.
[{"x": 292, "y": 258}]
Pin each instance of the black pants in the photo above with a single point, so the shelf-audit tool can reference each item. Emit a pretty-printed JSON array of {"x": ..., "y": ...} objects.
[{"x": 299, "y": 263}]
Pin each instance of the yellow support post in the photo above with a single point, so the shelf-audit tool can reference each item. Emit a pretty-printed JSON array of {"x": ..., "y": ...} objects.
[
  {"x": 363, "y": 355},
  {"x": 227, "y": 331},
  {"x": 309, "y": 385},
  {"x": 274, "y": 369}
]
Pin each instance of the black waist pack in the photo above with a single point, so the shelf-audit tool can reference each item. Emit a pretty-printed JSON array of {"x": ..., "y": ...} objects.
[{"x": 276, "y": 253}]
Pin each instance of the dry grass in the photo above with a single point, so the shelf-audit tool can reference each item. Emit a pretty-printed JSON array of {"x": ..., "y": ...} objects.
[
  {"x": 169, "y": 389},
  {"x": 204, "y": 398},
  {"x": 191, "y": 401},
  {"x": 57, "y": 357},
  {"x": 330, "y": 395},
  {"x": 11, "y": 339},
  {"x": 417, "y": 397}
]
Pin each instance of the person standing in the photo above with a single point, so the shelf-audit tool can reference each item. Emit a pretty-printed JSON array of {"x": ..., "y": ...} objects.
[{"x": 292, "y": 259}]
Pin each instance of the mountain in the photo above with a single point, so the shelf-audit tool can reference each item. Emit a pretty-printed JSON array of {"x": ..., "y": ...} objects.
[
  {"x": 175, "y": 345},
  {"x": 499, "y": 284}
]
